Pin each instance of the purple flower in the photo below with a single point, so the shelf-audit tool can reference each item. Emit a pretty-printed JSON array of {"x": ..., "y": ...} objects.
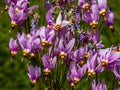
[
  {"x": 19, "y": 12},
  {"x": 108, "y": 58},
  {"x": 46, "y": 36},
  {"x": 26, "y": 43},
  {"x": 22, "y": 39},
  {"x": 94, "y": 14},
  {"x": 34, "y": 46},
  {"x": 84, "y": 4},
  {"x": 110, "y": 19},
  {"x": 92, "y": 64},
  {"x": 75, "y": 73},
  {"x": 48, "y": 63},
  {"x": 17, "y": 17},
  {"x": 64, "y": 50},
  {"x": 59, "y": 24},
  {"x": 80, "y": 54},
  {"x": 34, "y": 73},
  {"x": 92, "y": 17},
  {"x": 100, "y": 86},
  {"x": 13, "y": 46},
  {"x": 102, "y": 4}
]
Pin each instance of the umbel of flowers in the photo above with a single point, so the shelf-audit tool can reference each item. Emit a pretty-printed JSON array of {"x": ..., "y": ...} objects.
[{"x": 63, "y": 53}]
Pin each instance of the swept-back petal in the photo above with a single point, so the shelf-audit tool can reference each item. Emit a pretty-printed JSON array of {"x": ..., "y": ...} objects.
[
  {"x": 59, "y": 18},
  {"x": 70, "y": 45}
]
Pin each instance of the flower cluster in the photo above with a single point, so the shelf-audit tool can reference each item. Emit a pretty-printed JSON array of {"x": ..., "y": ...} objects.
[
  {"x": 18, "y": 11},
  {"x": 64, "y": 48}
]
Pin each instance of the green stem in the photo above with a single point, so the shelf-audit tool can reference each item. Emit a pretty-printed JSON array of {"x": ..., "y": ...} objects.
[
  {"x": 56, "y": 82},
  {"x": 64, "y": 76},
  {"x": 96, "y": 78},
  {"x": 107, "y": 77},
  {"x": 113, "y": 84}
]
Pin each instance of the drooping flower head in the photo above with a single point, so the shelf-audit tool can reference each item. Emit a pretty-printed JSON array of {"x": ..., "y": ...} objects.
[
  {"x": 59, "y": 24},
  {"x": 34, "y": 73},
  {"x": 94, "y": 14},
  {"x": 102, "y": 4},
  {"x": 13, "y": 46},
  {"x": 75, "y": 73},
  {"x": 108, "y": 58},
  {"x": 64, "y": 50},
  {"x": 92, "y": 64},
  {"x": 48, "y": 63},
  {"x": 110, "y": 19},
  {"x": 26, "y": 43},
  {"x": 46, "y": 36}
]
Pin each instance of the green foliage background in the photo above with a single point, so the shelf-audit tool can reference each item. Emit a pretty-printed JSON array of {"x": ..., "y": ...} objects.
[{"x": 13, "y": 76}]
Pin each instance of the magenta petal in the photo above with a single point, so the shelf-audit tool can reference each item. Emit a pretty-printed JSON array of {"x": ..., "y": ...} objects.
[
  {"x": 86, "y": 17},
  {"x": 53, "y": 62},
  {"x": 110, "y": 18},
  {"x": 102, "y": 4},
  {"x": 11, "y": 43},
  {"x": 51, "y": 35},
  {"x": 70, "y": 45},
  {"x": 73, "y": 67},
  {"x": 94, "y": 12},
  {"x": 11, "y": 12},
  {"x": 45, "y": 61},
  {"x": 61, "y": 46},
  {"x": 34, "y": 72},
  {"x": 29, "y": 43},
  {"x": 36, "y": 43},
  {"x": 33, "y": 8},
  {"x": 42, "y": 33},
  {"x": 49, "y": 17}
]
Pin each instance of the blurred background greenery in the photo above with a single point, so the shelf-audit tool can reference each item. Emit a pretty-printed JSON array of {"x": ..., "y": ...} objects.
[{"x": 13, "y": 76}]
